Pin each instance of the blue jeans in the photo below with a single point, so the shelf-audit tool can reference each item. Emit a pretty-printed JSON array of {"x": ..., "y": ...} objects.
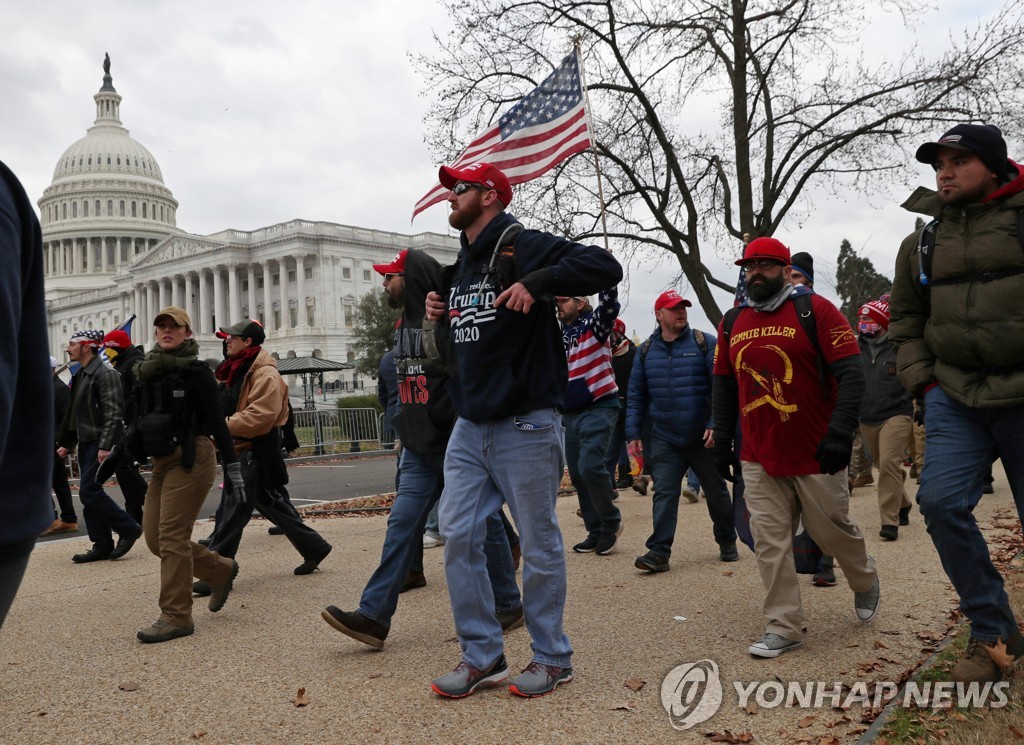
[
  {"x": 588, "y": 434},
  {"x": 961, "y": 444},
  {"x": 517, "y": 460},
  {"x": 101, "y": 513},
  {"x": 669, "y": 464},
  {"x": 418, "y": 491}
]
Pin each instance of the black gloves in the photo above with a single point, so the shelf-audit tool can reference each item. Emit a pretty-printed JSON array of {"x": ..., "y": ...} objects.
[
  {"x": 725, "y": 461},
  {"x": 234, "y": 493},
  {"x": 834, "y": 452},
  {"x": 919, "y": 410}
]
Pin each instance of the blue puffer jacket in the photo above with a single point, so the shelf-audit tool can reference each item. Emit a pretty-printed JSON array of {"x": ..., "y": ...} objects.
[{"x": 670, "y": 389}]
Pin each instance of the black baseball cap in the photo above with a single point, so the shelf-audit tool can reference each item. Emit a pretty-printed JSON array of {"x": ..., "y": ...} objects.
[
  {"x": 984, "y": 140},
  {"x": 247, "y": 329}
]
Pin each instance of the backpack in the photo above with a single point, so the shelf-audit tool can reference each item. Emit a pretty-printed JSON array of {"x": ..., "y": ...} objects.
[
  {"x": 164, "y": 419},
  {"x": 805, "y": 314},
  {"x": 926, "y": 251}
]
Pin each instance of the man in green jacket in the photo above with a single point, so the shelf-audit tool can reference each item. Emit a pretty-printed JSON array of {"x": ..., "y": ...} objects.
[{"x": 957, "y": 324}]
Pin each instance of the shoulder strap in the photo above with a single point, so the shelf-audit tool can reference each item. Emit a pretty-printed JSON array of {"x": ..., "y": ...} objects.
[
  {"x": 805, "y": 314},
  {"x": 925, "y": 249},
  {"x": 644, "y": 349},
  {"x": 729, "y": 320},
  {"x": 702, "y": 343}
]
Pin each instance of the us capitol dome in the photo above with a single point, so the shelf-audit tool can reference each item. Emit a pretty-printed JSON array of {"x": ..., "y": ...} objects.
[{"x": 107, "y": 203}]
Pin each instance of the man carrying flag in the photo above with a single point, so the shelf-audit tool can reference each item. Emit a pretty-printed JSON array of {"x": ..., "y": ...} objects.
[{"x": 508, "y": 387}]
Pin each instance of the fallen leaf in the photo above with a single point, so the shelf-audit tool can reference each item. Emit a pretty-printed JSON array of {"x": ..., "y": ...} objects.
[
  {"x": 198, "y": 733},
  {"x": 301, "y": 699},
  {"x": 129, "y": 686},
  {"x": 998, "y": 654},
  {"x": 752, "y": 708},
  {"x": 627, "y": 706},
  {"x": 678, "y": 618},
  {"x": 1017, "y": 732},
  {"x": 828, "y": 741},
  {"x": 806, "y": 722},
  {"x": 728, "y": 574},
  {"x": 879, "y": 644},
  {"x": 635, "y": 684}
]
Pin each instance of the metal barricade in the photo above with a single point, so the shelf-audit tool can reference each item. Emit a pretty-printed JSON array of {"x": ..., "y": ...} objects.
[{"x": 338, "y": 430}]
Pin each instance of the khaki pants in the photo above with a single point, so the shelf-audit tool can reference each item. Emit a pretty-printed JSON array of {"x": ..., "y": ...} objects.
[
  {"x": 776, "y": 506},
  {"x": 172, "y": 505},
  {"x": 887, "y": 441},
  {"x": 919, "y": 439}
]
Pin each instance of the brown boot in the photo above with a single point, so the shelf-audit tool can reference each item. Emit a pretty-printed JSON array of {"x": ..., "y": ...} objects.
[
  {"x": 977, "y": 664},
  {"x": 864, "y": 479}
]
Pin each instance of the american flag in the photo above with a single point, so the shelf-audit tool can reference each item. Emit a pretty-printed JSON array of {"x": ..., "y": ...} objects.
[{"x": 538, "y": 133}]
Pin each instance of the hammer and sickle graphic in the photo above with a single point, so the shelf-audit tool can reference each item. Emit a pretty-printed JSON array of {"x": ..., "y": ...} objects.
[{"x": 774, "y": 395}]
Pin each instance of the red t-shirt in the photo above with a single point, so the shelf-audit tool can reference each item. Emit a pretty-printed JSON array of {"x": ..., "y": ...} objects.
[{"x": 783, "y": 412}]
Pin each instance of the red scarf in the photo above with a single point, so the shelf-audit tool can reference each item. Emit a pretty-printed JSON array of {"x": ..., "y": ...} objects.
[{"x": 228, "y": 369}]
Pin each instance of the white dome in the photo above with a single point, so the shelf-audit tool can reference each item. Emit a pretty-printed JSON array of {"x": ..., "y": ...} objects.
[{"x": 108, "y": 149}]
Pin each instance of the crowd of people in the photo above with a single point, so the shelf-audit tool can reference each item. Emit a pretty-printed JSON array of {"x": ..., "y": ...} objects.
[{"x": 503, "y": 359}]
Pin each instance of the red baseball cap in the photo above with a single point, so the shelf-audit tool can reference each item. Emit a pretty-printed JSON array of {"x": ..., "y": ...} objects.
[
  {"x": 478, "y": 173},
  {"x": 670, "y": 299},
  {"x": 117, "y": 339},
  {"x": 765, "y": 248},
  {"x": 397, "y": 265}
]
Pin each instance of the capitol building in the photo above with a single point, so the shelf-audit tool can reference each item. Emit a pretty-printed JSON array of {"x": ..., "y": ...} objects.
[{"x": 112, "y": 248}]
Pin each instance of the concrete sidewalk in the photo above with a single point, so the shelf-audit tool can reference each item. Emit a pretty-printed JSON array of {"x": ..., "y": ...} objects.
[{"x": 71, "y": 670}]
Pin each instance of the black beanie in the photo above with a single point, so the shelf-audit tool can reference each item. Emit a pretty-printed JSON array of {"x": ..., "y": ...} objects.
[{"x": 803, "y": 263}]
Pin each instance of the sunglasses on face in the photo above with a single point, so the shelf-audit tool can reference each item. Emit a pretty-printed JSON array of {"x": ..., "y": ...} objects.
[
  {"x": 391, "y": 276},
  {"x": 462, "y": 187}
]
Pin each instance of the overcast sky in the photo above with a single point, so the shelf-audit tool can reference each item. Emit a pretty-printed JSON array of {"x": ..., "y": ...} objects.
[{"x": 260, "y": 112}]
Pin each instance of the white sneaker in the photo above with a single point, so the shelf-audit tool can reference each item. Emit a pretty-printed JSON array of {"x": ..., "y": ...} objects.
[
  {"x": 431, "y": 540},
  {"x": 690, "y": 496}
]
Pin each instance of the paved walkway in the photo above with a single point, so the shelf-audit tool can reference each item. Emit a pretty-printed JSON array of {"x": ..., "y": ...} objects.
[{"x": 71, "y": 670}]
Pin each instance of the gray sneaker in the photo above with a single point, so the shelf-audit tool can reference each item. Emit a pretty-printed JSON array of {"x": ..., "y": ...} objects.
[
  {"x": 690, "y": 495},
  {"x": 465, "y": 679},
  {"x": 539, "y": 679},
  {"x": 772, "y": 645},
  {"x": 866, "y": 603}
]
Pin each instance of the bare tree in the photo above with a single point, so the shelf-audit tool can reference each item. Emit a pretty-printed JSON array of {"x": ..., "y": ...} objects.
[{"x": 799, "y": 109}]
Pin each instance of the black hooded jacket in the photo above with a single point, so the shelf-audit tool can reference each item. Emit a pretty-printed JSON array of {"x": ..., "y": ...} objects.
[
  {"x": 509, "y": 362},
  {"x": 426, "y": 414}
]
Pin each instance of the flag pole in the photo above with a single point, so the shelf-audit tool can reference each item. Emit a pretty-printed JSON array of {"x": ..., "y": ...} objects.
[{"x": 597, "y": 162}]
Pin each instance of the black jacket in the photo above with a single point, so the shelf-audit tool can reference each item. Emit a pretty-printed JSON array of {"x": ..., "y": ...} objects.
[
  {"x": 884, "y": 395},
  {"x": 509, "y": 362},
  {"x": 426, "y": 414}
]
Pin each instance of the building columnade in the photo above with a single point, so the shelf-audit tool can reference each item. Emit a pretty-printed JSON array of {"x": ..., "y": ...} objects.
[{"x": 112, "y": 249}]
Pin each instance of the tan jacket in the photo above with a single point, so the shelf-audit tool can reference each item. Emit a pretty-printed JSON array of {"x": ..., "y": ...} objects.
[{"x": 262, "y": 402}]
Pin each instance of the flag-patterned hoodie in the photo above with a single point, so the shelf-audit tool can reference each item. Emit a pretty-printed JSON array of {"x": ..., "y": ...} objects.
[{"x": 588, "y": 353}]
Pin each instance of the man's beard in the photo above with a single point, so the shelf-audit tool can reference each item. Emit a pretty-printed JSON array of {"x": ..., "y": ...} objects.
[
  {"x": 395, "y": 301},
  {"x": 465, "y": 216},
  {"x": 764, "y": 289}
]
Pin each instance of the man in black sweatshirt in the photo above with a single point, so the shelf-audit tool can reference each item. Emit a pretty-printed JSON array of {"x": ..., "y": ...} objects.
[
  {"x": 509, "y": 382},
  {"x": 424, "y": 421}
]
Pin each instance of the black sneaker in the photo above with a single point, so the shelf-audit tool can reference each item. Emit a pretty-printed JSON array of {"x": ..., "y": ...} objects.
[
  {"x": 586, "y": 546},
  {"x": 356, "y": 625},
  {"x": 651, "y": 562},
  {"x": 728, "y": 552},
  {"x": 310, "y": 565},
  {"x": 606, "y": 541},
  {"x": 825, "y": 576},
  {"x": 125, "y": 542},
  {"x": 904, "y": 516},
  {"x": 412, "y": 581},
  {"x": 275, "y": 530},
  {"x": 201, "y": 588},
  {"x": 889, "y": 532},
  {"x": 510, "y": 619},
  {"x": 93, "y": 554}
]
